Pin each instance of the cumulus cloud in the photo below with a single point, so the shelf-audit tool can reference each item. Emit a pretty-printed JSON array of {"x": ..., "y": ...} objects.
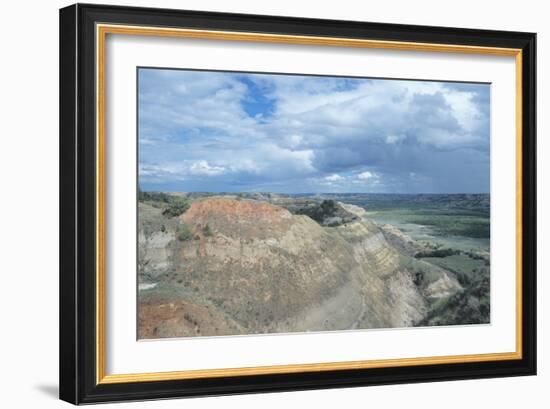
[
  {"x": 234, "y": 131},
  {"x": 202, "y": 167},
  {"x": 334, "y": 178},
  {"x": 366, "y": 175}
]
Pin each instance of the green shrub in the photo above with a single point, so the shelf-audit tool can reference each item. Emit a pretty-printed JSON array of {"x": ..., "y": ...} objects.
[
  {"x": 155, "y": 197},
  {"x": 418, "y": 278},
  {"x": 471, "y": 305},
  {"x": 440, "y": 253},
  {"x": 172, "y": 204},
  {"x": 319, "y": 212},
  {"x": 177, "y": 207},
  {"x": 184, "y": 233},
  {"x": 207, "y": 231}
]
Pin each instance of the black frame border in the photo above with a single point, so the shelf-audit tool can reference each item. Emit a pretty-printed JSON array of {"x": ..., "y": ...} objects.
[{"x": 77, "y": 255}]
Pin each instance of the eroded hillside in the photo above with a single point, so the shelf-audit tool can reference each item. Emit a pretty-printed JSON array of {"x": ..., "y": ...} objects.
[{"x": 231, "y": 265}]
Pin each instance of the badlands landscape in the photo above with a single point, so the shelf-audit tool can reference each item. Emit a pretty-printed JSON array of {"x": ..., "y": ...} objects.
[{"x": 256, "y": 263}]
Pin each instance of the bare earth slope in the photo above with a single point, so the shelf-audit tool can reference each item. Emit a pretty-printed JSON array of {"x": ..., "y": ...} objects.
[{"x": 247, "y": 266}]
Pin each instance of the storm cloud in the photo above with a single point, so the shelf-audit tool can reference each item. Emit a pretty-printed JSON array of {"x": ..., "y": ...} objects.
[{"x": 218, "y": 131}]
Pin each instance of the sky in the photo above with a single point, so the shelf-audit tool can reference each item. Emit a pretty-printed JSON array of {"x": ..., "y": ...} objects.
[{"x": 207, "y": 131}]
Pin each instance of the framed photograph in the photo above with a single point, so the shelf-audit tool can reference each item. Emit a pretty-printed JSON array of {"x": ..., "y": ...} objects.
[{"x": 257, "y": 203}]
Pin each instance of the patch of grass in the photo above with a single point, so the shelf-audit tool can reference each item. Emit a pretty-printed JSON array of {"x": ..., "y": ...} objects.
[
  {"x": 455, "y": 225},
  {"x": 453, "y": 215}
]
